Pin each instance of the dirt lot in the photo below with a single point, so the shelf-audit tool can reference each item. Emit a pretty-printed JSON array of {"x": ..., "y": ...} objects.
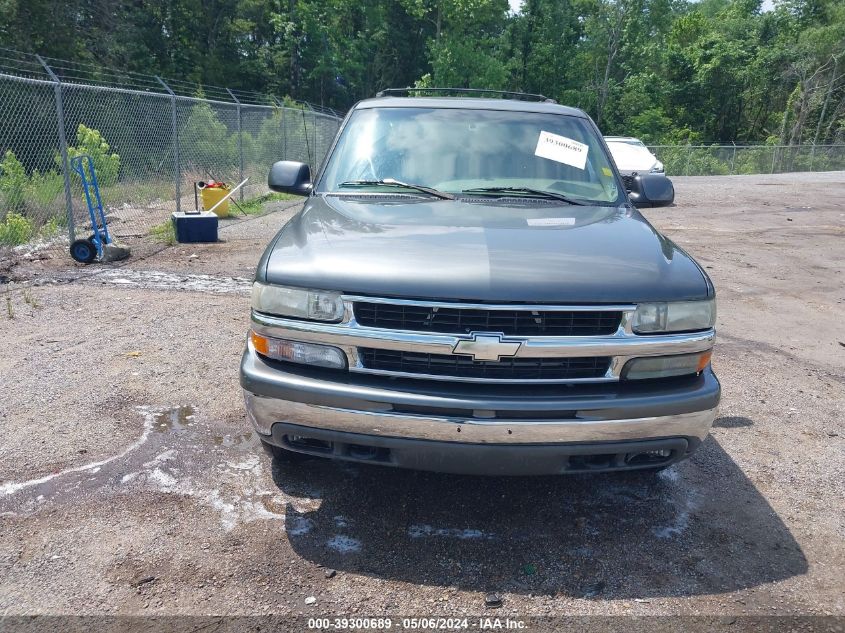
[{"x": 131, "y": 482}]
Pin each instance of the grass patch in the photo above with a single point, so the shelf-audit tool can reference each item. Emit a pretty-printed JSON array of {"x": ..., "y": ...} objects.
[
  {"x": 254, "y": 206},
  {"x": 52, "y": 228},
  {"x": 137, "y": 192},
  {"x": 30, "y": 300},
  {"x": 164, "y": 232}
]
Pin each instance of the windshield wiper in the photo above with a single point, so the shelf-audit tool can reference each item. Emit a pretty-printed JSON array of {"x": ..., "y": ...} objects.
[
  {"x": 391, "y": 182},
  {"x": 538, "y": 193}
]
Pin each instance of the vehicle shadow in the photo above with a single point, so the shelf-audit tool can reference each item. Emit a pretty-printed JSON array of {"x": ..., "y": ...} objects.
[{"x": 700, "y": 527}]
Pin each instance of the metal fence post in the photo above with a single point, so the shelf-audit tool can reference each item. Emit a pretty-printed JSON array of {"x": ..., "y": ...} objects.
[
  {"x": 60, "y": 118},
  {"x": 689, "y": 156},
  {"x": 307, "y": 143},
  {"x": 733, "y": 159},
  {"x": 284, "y": 134},
  {"x": 177, "y": 169},
  {"x": 812, "y": 156},
  {"x": 774, "y": 156},
  {"x": 283, "y": 112},
  {"x": 240, "y": 144}
]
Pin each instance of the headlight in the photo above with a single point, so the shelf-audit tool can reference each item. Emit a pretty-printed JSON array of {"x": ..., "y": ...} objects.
[
  {"x": 665, "y": 366},
  {"x": 298, "y": 352},
  {"x": 657, "y": 168},
  {"x": 680, "y": 316},
  {"x": 318, "y": 305}
]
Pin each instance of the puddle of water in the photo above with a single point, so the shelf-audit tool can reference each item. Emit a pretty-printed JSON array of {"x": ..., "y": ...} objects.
[
  {"x": 175, "y": 419},
  {"x": 171, "y": 457}
]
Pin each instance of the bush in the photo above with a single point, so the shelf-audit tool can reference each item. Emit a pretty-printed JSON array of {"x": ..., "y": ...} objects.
[
  {"x": 13, "y": 182},
  {"x": 90, "y": 142},
  {"x": 683, "y": 160},
  {"x": 754, "y": 160},
  {"x": 25, "y": 200},
  {"x": 45, "y": 187},
  {"x": 15, "y": 230}
]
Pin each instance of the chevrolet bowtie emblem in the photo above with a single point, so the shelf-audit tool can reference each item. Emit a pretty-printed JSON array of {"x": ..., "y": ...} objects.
[{"x": 486, "y": 347}]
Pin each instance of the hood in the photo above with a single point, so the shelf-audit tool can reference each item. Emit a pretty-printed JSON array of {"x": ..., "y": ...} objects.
[
  {"x": 515, "y": 251},
  {"x": 631, "y": 157}
]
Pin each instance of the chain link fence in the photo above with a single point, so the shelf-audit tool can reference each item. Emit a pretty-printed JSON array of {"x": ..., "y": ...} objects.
[
  {"x": 150, "y": 140},
  {"x": 715, "y": 160}
]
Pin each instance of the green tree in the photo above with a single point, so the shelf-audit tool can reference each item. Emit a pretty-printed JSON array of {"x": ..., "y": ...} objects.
[
  {"x": 202, "y": 139},
  {"x": 717, "y": 70}
]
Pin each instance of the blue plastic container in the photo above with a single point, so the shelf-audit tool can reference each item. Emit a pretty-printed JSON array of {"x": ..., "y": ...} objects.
[{"x": 195, "y": 227}]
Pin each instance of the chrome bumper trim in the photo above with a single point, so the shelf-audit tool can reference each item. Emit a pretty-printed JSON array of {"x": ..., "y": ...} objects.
[{"x": 265, "y": 412}]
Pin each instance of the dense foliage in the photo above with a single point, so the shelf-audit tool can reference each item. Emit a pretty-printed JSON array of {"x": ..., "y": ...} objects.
[{"x": 664, "y": 70}]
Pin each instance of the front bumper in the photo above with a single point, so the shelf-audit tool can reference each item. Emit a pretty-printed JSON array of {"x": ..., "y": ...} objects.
[{"x": 477, "y": 428}]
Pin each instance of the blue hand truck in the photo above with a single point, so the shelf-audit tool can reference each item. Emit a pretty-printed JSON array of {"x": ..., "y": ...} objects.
[{"x": 88, "y": 249}]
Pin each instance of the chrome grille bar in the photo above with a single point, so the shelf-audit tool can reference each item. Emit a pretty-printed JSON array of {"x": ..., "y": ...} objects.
[{"x": 619, "y": 346}]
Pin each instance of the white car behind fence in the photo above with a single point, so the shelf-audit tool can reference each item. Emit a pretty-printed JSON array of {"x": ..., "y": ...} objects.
[{"x": 631, "y": 155}]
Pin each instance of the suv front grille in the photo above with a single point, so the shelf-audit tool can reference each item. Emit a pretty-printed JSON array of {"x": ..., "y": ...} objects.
[
  {"x": 523, "y": 322},
  {"x": 465, "y": 367}
]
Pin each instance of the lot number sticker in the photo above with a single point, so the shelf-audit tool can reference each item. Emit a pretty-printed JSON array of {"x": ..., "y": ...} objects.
[{"x": 562, "y": 150}]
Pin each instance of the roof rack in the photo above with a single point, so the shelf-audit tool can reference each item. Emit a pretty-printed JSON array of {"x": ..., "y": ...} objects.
[{"x": 522, "y": 96}]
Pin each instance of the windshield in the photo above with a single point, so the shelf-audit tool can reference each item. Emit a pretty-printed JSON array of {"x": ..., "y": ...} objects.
[{"x": 453, "y": 150}]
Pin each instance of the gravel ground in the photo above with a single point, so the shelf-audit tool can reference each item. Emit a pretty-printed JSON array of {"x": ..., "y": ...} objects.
[{"x": 131, "y": 483}]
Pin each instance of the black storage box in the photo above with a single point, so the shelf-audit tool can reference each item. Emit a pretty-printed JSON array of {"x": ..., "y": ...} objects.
[{"x": 195, "y": 227}]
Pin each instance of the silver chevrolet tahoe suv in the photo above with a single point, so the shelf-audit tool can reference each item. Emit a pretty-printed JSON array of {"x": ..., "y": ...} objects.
[{"x": 470, "y": 288}]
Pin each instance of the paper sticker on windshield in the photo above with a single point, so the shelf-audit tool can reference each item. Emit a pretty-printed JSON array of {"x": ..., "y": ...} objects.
[
  {"x": 551, "y": 221},
  {"x": 562, "y": 150}
]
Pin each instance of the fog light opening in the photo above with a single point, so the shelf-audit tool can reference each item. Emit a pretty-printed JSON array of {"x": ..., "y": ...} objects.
[
  {"x": 647, "y": 458},
  {"x": 308, "y": 444},
  {"x": 367, "y": 453},
  {"x": 590, "y": 462}
]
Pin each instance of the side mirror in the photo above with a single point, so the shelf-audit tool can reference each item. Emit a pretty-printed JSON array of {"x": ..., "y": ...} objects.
[
  {"x": 287, "y": 176},
  {"x": 649, "y": 190}
]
